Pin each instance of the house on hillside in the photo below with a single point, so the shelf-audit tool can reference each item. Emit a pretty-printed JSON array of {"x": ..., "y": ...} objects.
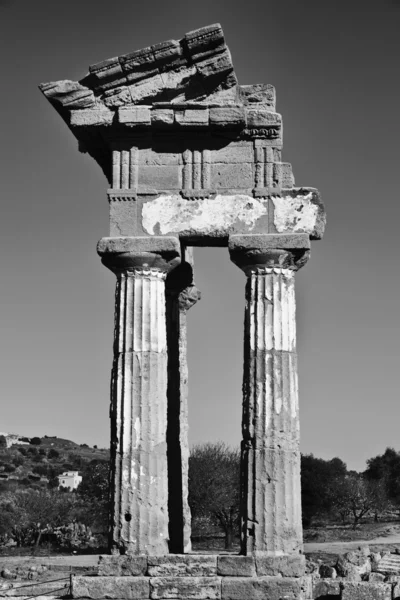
[{"x": 69, "y": 479}]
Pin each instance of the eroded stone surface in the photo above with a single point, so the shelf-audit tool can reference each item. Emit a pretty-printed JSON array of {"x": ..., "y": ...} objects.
[
  {"x": 236, "y": 566},
  {"x": 196, "y": 588},
  {"x": 389, "y": 564},
  {"x": 366, "y": 591},
  {"x": 131, "y": 588},
  {"x": 323, "y": 589},
  {"x": 273, "y": 588},
  {"x": 286, "y": 566},
  {"x": 216, "y": 216},
  {"x": 122, "y": 565},
  {"x": 182, "y": 565}
]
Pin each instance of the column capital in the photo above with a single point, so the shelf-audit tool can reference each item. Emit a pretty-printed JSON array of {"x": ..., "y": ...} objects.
[
  {"x": 140, "y": 254},
  {"x": 269, "y": 251}
]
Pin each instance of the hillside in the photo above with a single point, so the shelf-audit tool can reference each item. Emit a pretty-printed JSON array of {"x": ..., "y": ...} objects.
[{"x": 37, "y": 461}]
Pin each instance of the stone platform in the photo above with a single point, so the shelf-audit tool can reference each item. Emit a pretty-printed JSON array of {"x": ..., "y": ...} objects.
[{"x": 198, "y": 577}]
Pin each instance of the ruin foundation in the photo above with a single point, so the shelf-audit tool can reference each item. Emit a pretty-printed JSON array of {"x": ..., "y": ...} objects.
[{"x": 194, "y": 159}]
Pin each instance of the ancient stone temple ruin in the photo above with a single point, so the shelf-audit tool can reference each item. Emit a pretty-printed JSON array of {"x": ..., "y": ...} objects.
[{"x": 194, "y": 159}]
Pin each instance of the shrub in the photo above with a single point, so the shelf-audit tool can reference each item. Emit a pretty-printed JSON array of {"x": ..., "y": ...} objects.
[
  {"x": 36, "y": 441},
  {"x": 22, "y": 451},
  {"x": 40, "y": 469},
  {"x": 53, "y": 453}
]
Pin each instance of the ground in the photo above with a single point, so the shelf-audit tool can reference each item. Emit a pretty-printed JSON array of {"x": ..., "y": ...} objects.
[{"x": 332, "y": 540}]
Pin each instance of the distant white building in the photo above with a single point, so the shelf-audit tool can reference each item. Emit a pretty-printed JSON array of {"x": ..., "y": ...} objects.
[
  {"x": 69, "y": 479},
  {"x": 12, "y": 438}
]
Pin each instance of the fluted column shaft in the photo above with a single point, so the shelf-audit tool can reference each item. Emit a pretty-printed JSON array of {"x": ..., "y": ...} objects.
[
  {"x": 270, "y": 451},
  {"x": 270, "y": 454},
  {"x": 139, "y": 414},
  {"x": 139, "y": 466}
]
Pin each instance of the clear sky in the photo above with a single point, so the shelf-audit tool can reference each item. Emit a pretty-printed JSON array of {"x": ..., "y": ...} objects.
[{"x": 335, "y": 66}]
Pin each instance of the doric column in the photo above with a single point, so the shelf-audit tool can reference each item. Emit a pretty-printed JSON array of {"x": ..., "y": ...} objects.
[
  {"x": 139, "y": 468},
  {"x": 270, "y": 487},
  {"x": 182, "y": 294}
]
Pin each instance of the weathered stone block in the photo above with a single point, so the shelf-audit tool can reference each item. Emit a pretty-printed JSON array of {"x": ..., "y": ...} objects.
[
  {"x": 152, "y": 157},
  {"x": 236, "y": 153},
  {"x": 169, "y": 52},
  {"x": 139, "y": 64},
  {"x": 217, "y": 64},
  {"x": 299, "y": 211},
  {"x": 286, "y": 566},
  {"x": 262, "y": 117},
  {"x": 138, "y": 245},
  {"x": 219, "y": 216},
  {"x": 322, "y": 589},
  {"x": 376, "y": 577},
  {"x": 260, "y": 588},
  {"x": 363, "y": 590},
  {"x": 137, "y": 115},
  {"x": 117, "y": 97},
  {"x": 147, "y": 90},
  {"x": 269, "y": 241},
  {"x": 205, "y": 39},
  {"x": 106, "y": 68},
  {"x": 122, "y": 565},
  {"x": 69, "y": 94},
  {"x": 227, "y": 115},
  {"x": 91, "y": 116},
  {"x": 182, "y": 565},
  {"x": 283, "y": 175},
  {"x": 196, "y": 588},
  {"x": 162, "y": 116},
  {"x": 160, "y": 177},
  {"x": 388, "y": 564},
  {"x": 192, "y": 117},
  {"x": 258, "y": 93},
  {"x": 129, "y": 588},
  {"x": 236, "y": 566},
  {"x": 239, "y": 176}
]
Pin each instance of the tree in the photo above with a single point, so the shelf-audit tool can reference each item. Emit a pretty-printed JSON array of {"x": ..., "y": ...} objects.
[
  {"x": 386, "y": 469},
  {"x": 36, "y": 441},
  {"x": 214, "y": 473},
  {"x": 53, "y": 453},
  {"x": 94, "y": 491},
  {"x": 317, "y": 477},
  {"x": 355, "y": 495},
  {"x": 28, "y": 513}
]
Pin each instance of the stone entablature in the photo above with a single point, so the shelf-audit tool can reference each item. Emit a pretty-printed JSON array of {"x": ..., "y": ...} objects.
[{"x": 187, "y": 150}]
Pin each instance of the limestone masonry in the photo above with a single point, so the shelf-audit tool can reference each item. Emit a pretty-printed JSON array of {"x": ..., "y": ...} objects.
[{"x": 194, "y": 159}]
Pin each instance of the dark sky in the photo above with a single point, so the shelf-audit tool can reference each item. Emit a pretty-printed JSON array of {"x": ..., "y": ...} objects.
[{"x": 335, "y": 66}]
